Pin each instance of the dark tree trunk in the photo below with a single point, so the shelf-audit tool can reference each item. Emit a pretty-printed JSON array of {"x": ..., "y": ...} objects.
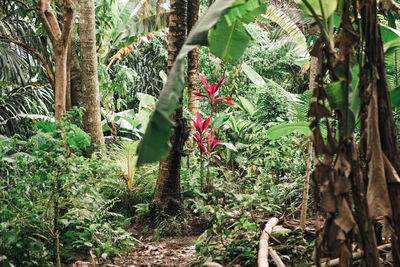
[
  {"x": 167, "y": 189},
  {"x": 387, "y": 127}
]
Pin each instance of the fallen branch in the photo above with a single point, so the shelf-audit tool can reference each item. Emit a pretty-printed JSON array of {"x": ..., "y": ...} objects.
[
  {"x": 263, "y": 249},
  {"x": 276, "y": 258},
  {"x": 355, "y": 256}
]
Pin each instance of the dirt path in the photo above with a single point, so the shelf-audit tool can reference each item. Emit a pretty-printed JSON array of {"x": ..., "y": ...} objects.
[{"x": 168, "y": 252}]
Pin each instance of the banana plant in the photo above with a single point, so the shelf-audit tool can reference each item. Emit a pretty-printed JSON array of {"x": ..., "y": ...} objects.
[
  {"x": 222, "y": 30},
  {"x": 123, "y": 22}
]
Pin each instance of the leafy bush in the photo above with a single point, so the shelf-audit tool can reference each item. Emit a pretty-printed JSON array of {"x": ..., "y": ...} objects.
[{"x": 51, "y": 195}]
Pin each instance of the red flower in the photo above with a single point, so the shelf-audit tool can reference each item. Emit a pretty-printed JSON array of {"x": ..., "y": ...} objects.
[
  {"x": 211, "y": 142},
  {"x": 201, "y": 127},
  {"x": 212, "y": 92}
]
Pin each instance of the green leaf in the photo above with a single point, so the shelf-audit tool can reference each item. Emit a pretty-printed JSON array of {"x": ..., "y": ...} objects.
[
  {"x": 388, "y": 33},
  {"x": 277, "y": 16},
  {"x": 247, "y": 105},
  {"x": 395, "y": 97},
  {"x": 328, "y": 6},
  {"x": 154, "y": 144},
  {"x": 230, "y": 146},
  {"x": 246, "y": 11},
  {"x": 253, "y": 75},
  {"x": 228, "y": 42},
  {"x": 336, "y": 95},
  {"x": 284, "y": 129}
]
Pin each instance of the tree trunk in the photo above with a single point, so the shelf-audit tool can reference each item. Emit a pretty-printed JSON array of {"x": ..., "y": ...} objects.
[
  {"x": 60, "y": 40},
  {"x": 193, "y": 60},
  {"x": 167, "y": 189},
  {"x": 387, "y": 127},
  {"x": 90, "y": 83},
  {"x": 75, "y": 73},
  {"x": 60, "y": 62}
]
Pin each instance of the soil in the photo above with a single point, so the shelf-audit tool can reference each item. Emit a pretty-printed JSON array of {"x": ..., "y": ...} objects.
[
  {"x": 173, "y": 251},
  {"x": 170, "y": 251}
]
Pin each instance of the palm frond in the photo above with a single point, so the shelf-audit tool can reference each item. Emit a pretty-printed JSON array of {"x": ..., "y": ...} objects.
[
  {"x": 392, "y": 65},
  {"x": 17, "y": 101},
  {"x": 293, "y": 34}
]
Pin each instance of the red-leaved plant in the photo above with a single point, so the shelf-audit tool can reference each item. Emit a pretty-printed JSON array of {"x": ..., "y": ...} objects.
[
  {"x": 201, "y": 126},
  {"x": 212, "y": 91}
]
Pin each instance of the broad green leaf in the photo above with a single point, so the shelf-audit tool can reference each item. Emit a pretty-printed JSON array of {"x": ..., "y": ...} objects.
[
  {"x": 146, "y": 100},
  {"x": 229, "y": 146},
  {"x": 228, "y": 39},
  {"x": 392, "y": 44},
  {"x": 355, "y": 99},
  {"x": 246, "y": 11},
  {"x": 228, "y": 42},
  {"x": 336, "y": 95},
  {"x": 154, "y": 145},
  {"x": 247, "y": 105},
  {"x": 328, "y": 7},
  {"x": 284, "y": 129},
  {"x": 337, "y": 99},
  {"x": 253, "y": 75},
  {"x": 289, "y": 26},
  {"x": 395, "y": 97},
  {"x": 388, "y": 33}
]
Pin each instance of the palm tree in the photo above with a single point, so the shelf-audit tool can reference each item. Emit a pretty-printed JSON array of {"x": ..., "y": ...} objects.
[
  {"x": 168, "y": 183},
  {"x": 90, "y": 84}
]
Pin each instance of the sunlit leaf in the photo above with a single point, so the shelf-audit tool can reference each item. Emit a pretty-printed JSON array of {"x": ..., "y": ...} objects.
[
  {"x": 284, "y": 129},
  {"x": 328, "y": 7}
]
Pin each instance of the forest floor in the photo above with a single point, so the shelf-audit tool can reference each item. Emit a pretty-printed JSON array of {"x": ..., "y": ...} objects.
[
  {"x": 175, "y": 251},
  {"x": 170, "y": 251}
]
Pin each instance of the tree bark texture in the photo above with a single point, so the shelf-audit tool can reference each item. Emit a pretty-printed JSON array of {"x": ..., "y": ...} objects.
[
  {"x": 193, "y": 67},
  {"x": 168, "y": 182},
  {"x": 90, "y": 83},
  {"x": 75, "y": 73},
  {"x": 193, "y": 60},
  {"x": 60, "y": 40}
]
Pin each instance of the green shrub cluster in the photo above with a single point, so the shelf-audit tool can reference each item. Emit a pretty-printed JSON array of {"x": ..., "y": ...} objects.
[{"x": 51, "y": 194}]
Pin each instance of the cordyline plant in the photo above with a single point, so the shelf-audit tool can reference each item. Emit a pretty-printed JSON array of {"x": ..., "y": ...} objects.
[{"x": 201, "y": 126}]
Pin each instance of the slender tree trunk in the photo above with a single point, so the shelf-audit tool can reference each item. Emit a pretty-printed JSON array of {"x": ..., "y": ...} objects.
[
  {"x": 60, "y": 40},
  {"x": 193, "y": 61},
  {"x": 76, "y": 81},
  {"x": 68, "y": 91},
  {"x": 304, "y": 203},
  {"x": 60, "y": 62},
  {"x": 167, "y": 189},
  {"x": 90, "y": 83}
]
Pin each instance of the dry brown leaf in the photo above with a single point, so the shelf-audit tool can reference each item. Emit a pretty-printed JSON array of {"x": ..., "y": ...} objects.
[
  {"x": 391, "y": 174},
  {"x": 318, "y": 142},
  {"x": 318, "y": 110},
  {"x": 331, "y": 143},
  {"x": 342, "y": 169},
  {"x": 328, "y": 203},
  {"x": 347, "y": 41},
  {"x": 345, "y": 219},
  {"x": 322, "y": 173},
  {"x": 377, "y": 192}
]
